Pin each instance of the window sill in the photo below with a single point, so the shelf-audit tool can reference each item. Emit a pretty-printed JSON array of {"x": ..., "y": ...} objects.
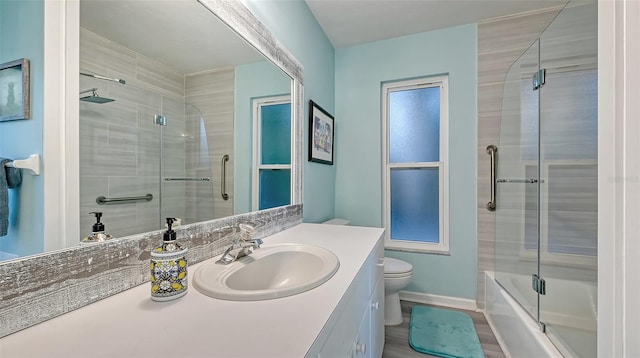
[{"x": 419, "y": 250}]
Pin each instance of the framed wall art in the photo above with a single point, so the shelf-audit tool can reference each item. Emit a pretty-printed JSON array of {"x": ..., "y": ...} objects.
[
  {"x": 321, "y": 125},
  {"x": 14, "y": 90}
]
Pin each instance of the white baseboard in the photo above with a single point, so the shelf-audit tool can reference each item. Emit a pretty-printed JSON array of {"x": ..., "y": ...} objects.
[{"x": 446, "y": 301}]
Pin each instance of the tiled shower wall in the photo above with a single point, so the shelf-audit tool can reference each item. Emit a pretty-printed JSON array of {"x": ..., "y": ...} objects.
[
  {"x": 121, "y": 146},
  {"x": 500, "y": 42}
]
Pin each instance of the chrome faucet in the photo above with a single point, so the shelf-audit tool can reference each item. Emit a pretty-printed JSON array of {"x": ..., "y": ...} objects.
[{"x": 242, "y": 246}]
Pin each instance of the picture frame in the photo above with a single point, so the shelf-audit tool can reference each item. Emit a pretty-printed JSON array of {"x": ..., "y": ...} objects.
[
  {"x": 15, "y": 101},
  {"x": 321, "y": 131}
]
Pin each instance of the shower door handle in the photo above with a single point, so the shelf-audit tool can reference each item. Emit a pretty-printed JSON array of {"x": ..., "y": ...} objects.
[
  {"x": 492, "y": 150},
  {"x": 223, "y": 186}
]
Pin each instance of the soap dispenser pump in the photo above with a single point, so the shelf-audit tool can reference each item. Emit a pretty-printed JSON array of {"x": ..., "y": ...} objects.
[
  {"x": 168, "y": 267},
  {"x": 98, "y": 231}
]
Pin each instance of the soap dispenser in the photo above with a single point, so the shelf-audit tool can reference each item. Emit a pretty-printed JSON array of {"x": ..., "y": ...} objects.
[
  {"x": 168, "y": 267},
  {"x": 98, "y": 232}
]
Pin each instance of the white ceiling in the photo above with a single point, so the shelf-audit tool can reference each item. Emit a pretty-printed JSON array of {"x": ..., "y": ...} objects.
[
  {"x": 351, "y": 22},
  {"x": 169, "y": 31},
  {"x": 180, "y": 33}
]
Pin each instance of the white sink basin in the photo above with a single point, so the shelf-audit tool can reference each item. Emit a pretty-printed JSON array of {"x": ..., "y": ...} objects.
[{"x": 269, "y": 272}]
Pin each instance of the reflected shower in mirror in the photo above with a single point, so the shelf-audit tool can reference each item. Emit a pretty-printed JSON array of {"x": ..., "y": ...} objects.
[
  {"x": 166, "y": 94},
  {"x": 182, "y": 108}
]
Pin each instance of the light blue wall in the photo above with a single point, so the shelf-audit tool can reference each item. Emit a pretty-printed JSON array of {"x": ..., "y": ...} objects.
[
  {"x": 251, "y": 81},
  {"x": 360, "y": 71},
  {"x": 22, "y": 36},
  {"x": 293, "y": 24}
]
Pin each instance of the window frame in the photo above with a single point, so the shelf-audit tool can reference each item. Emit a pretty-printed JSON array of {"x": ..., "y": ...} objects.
[
  {"x": 257, "y": 104},
  {"x": 442, "y": 246}
]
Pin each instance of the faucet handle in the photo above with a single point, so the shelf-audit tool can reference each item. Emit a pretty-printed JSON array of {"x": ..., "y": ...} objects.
[{"x": 246, "y": 231}]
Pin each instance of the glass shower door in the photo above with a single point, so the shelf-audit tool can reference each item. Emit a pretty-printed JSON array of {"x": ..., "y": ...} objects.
[
  {"x": 547, "y": 183},
  {"x": 569, "y": 186},
  {"x": 186, "y": 182},
  {"x": 516, "y": 188}
]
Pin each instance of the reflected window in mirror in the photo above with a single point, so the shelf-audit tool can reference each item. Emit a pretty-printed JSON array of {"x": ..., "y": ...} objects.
[{"x": 272, "y": 152}]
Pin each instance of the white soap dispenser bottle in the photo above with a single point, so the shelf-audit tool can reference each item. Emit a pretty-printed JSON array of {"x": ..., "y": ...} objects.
[{"x": 168, "y": 268}]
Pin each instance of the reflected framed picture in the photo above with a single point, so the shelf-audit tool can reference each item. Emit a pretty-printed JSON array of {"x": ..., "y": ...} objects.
[
  {"x": 320, "y": 135},
  {"x": 14, "y": 90}
]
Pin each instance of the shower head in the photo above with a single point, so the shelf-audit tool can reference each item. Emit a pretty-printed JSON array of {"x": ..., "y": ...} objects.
[{"x": 94, "y": 97}]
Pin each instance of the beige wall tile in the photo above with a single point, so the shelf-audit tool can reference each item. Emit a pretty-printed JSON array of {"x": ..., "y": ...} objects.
[
  {"x": 159, "y": 75},
  {"x": 210, "y": 82}
]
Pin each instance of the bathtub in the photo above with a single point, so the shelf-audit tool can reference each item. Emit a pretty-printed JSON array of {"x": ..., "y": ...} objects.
[{"x": 570, "y": 315}]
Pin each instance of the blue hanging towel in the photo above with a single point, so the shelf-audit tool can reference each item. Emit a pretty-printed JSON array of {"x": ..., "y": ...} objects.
[{"x": 9, "y": 178}]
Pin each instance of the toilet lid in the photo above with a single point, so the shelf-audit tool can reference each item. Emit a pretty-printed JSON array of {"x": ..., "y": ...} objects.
[{"x": 392, "y": 266}]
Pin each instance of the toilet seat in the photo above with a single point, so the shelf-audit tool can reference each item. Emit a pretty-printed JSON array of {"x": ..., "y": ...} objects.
[
  {"x": 398, "y": 275},
  {"x": 396, "y": 268}
]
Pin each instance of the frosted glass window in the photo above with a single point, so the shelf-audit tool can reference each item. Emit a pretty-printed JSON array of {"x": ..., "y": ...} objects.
[
  {"x": 416, "y": 152},
  {"x": 276, "y": 133},
  {"x": 415, "y": 205},
  {"x": 414, "y": 129},
  {"x": 275, "y": 188}
]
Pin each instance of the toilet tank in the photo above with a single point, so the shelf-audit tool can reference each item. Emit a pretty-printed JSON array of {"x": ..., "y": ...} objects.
[{"x": 337, "y": 222}]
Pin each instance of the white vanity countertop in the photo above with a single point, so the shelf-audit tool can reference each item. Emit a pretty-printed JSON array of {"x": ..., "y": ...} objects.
[{"x": 130, "y": 324}]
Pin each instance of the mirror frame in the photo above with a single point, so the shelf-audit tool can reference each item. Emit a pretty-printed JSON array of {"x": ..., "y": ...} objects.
[{"x": 57, "y": 282}]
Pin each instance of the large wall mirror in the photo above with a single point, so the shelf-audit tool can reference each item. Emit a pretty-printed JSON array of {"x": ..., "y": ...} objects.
[{"x": 183, "y": 110}]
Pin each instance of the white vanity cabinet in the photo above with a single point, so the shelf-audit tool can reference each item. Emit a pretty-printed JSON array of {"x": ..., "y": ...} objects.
[
  {"x": 356, "y": 327},
  {"x": 339, "y": 319}
]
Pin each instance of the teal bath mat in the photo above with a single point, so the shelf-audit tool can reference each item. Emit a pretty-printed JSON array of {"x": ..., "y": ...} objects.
[{"x": 443, "y": 333}]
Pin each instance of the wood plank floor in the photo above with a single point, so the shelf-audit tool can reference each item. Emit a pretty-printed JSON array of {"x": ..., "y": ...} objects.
[{"x": 397, "y": 337}]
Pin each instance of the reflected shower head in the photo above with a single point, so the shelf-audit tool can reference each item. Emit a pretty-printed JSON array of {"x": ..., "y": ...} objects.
[{"x": 94, "y": 97}]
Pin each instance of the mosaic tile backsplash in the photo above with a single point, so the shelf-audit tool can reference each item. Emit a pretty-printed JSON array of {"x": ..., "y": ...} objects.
[{"x": 39, "y": 288}]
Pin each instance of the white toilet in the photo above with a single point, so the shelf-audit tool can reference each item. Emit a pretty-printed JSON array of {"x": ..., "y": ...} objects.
[{"x": 397, "y": 275}]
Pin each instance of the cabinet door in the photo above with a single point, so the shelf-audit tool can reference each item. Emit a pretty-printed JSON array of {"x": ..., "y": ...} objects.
[
  {"x": 377, "y": 319},
  {"x": 370, "y": 339},
  {"x": 341, "y": 341},
  {"x": 362, "y": 344}
]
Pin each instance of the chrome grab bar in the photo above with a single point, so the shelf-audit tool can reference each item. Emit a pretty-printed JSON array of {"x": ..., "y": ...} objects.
[
  {"x": 102, "y": 200},
  {"x": 492, "y": 151},
  {"x": 187, "y": 179},
  {"x": 223, "y": 187}
]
